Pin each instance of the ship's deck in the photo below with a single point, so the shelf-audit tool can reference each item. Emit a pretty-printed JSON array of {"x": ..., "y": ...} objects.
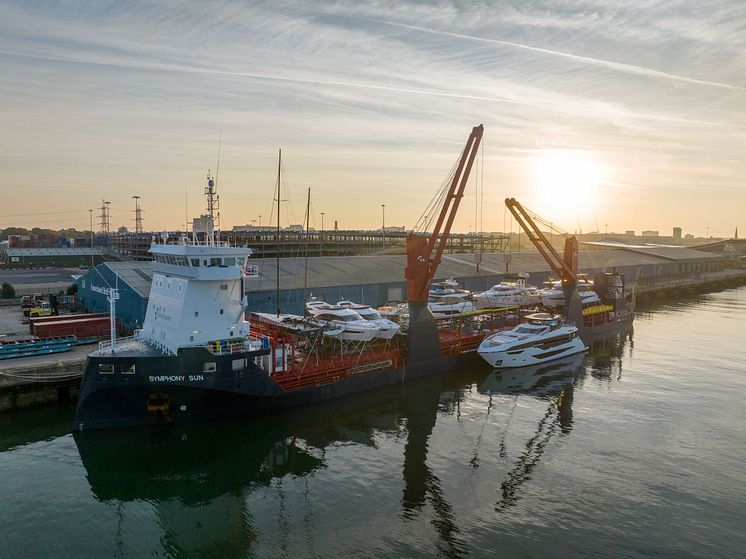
[{"x": 128, "y": 347}]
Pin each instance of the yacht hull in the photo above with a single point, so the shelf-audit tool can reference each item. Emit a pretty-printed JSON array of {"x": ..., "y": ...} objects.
[{"x": 531, "y": 355}]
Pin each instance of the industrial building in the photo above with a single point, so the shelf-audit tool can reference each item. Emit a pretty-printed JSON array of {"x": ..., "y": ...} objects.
[
  {"x": 133, "y": 281},
  {"x": 51, "y": 257},
  {"x": 374, "y": 280}
]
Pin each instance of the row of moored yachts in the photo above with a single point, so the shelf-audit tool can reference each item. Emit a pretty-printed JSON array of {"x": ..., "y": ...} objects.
[
  {"x": 345, "y": 321},
  {"x": 354, "y": 322},
  {"x": 447, "y": 300}
]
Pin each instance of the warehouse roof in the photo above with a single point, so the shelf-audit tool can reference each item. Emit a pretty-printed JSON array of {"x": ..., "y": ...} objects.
[
  {"x": 80, "y": 251},
  {"x": 326, "y": 271},
  {"x": 681, "y": 254},
  {"x": 138, "y": 275}
]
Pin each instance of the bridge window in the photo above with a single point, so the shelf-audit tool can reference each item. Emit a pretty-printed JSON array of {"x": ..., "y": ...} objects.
[
  {"x": 195, "y": 262},
  {"x": 106, "y": 368},
  {"x": 229, "y": 261},
  {"x": 127, "y": 367},
  {"x": 214, "y": 261},
  {"x": 209, "y": 367}
]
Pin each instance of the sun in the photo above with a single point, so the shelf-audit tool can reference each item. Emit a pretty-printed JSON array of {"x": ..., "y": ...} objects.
[{"x": 567, "y": 185}]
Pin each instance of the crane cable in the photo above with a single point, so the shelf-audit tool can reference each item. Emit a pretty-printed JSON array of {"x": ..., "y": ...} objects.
[{"x": 428, "y": 215}]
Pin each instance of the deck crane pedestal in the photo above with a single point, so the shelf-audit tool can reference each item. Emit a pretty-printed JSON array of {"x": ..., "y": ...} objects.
[
  {"x": 423, "y": 257},
  {"x": 565, "y": 266}
]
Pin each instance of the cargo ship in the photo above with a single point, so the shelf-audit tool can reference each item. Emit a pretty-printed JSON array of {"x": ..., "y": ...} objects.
[{"x": 198, "y": 357}]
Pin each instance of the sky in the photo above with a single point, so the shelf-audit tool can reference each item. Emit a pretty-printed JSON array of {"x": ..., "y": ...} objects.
[{"x": 598, "y": 115}]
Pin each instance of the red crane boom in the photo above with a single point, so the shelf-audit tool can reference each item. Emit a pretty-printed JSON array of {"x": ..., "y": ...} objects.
[{"x": 424, "y": 253}]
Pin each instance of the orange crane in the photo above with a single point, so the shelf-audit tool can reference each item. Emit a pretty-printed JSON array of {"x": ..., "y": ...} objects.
[
  {"x": 565, "y": 266},
  {"x": 423, "y": 257},
  {"x": 424, "y": 252}
]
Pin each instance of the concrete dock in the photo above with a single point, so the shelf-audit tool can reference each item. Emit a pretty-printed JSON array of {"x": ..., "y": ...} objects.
[{"x": 41, "y": 379}]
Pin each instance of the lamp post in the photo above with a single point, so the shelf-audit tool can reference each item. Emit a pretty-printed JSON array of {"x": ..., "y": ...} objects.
[
  {"x": 383, "y": 223},
  {"x": 322, "y": 221},
  {"x": 260, "y": 221}
]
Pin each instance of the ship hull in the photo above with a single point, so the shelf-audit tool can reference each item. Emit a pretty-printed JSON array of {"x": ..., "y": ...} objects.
[{"x": 173, "y": 395}]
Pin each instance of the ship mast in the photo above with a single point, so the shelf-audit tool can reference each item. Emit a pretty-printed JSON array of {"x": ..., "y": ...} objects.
[
  {"x": 305, "y": 263},
  {"x": 213, "y": 210},
  {"x": 113, "y": 296},
  {"x": 277, "y": 240}
]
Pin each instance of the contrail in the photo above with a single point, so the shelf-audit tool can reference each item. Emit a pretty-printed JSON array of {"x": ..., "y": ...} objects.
[{"x": 620, "y": 66}]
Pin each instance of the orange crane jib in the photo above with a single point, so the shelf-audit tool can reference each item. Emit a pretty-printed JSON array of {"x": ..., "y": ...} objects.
[
  {"x": 565, "y": 266},
  {"x": 424, "y": 253}
]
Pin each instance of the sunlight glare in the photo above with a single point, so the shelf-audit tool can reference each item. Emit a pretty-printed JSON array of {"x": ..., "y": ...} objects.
[{"x": 567, "y": 187}]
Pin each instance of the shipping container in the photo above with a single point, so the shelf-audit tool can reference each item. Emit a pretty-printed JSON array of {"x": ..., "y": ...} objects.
[
  {"x": 62, "y": 317},
  {"x": 87, "y": 328}
]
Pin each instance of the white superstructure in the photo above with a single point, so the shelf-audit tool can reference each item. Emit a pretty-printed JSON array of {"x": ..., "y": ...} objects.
[{"x": 197, "y": 292}]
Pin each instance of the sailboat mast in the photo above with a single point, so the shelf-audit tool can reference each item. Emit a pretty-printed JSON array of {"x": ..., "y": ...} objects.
[
  {"x": 277, "y": 246},
  {"x": 305, "y": 265}
]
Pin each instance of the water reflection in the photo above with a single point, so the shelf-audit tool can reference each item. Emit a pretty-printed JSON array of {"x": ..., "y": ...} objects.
[
  {"x": 198, "y": 479},
  {"x": 555, "y": 383}
]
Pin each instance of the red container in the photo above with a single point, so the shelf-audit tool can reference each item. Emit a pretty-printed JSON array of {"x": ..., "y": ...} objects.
[
  {"x": 86, "y": 328},
  {"x": 62, "y": 317}
]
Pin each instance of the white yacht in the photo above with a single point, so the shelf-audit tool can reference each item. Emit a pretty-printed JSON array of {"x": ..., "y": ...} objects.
[
  {"x": 445, "y": 306},
  {"x": 342, "y": 323},
  {"x": 387, "y": 329},
  {"x": 454, "y": 304},
  {"x": 554, "y": 297},
  {"x": 509, "y": 294},
  {"x": 542, "y": 338},
  {"x": 439, "y": 288}
]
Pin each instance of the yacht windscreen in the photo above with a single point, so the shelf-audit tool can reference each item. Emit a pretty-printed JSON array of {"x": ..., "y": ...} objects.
[{"x": 529, "y": 329}]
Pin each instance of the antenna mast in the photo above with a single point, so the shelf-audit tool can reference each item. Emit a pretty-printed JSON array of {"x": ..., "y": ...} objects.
[{"x": 213, "y": 210}]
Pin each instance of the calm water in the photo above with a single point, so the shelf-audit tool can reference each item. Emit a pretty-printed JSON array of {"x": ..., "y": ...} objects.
[{"x": 637, "y": 450}]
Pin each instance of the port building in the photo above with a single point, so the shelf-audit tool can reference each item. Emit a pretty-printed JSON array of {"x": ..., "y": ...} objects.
[
  {"x": 375, "y": 280},
  {"x": 50, "y": 257}
]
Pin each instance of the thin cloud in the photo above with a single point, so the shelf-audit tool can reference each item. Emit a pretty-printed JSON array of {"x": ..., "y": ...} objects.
[{"x": 619, "y": 66}]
